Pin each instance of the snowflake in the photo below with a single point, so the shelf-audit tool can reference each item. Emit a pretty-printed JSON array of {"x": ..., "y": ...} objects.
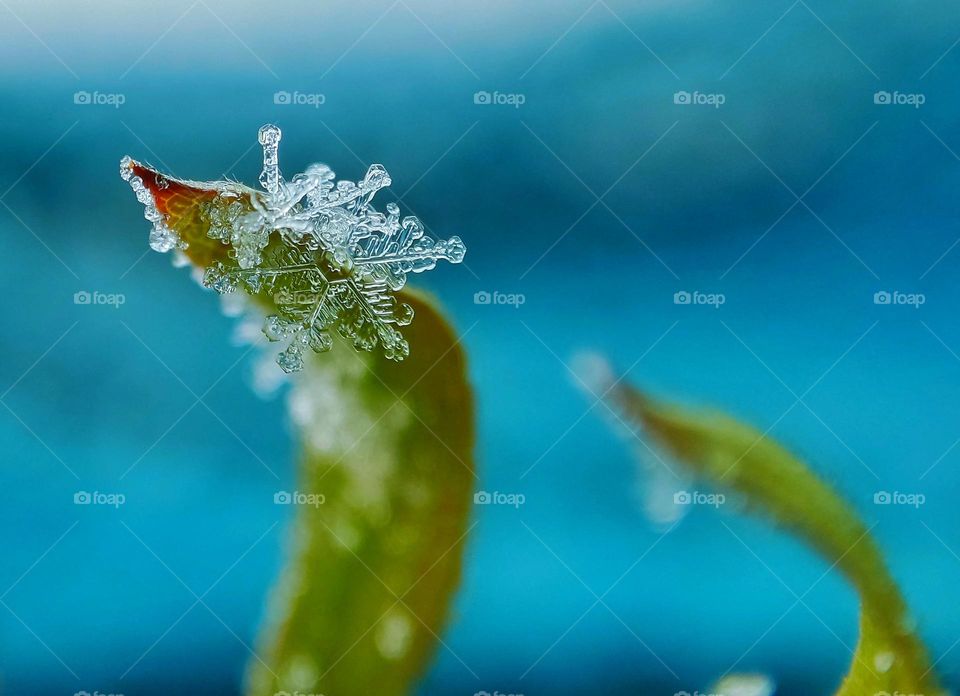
[{"x": 318, "y": 249}]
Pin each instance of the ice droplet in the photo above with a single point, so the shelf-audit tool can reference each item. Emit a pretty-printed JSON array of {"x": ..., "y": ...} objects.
[
  {"x": 393, "y": 635},
  {"x": 162, "y": 239},
  {"x": 744, "y": 685},
  {"x": 883, "y": 661},
  {"x": 299, "y": 673},
  {"x": 592, "y": 372}
]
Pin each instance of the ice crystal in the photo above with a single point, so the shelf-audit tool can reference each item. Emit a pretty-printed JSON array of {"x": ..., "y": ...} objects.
[
  {"x": 317, "y": 248},
  {"x": 162, "y": 238}
]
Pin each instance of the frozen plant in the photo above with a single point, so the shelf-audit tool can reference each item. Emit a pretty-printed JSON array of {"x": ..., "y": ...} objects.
[{"x": 316, "y": 247}]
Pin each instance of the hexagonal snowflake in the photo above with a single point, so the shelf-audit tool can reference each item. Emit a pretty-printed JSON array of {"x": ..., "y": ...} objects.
[{"x": 318, "y": 250}]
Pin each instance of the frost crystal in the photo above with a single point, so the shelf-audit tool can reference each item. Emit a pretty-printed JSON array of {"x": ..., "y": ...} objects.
[
  {"x": 317, "y": 248},
  {"x": 162, "y": 238}
]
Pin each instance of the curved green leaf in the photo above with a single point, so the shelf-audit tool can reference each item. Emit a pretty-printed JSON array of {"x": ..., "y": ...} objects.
[
  {"x": 367, "y": 590},
  {"x": 724, "y": 452}
]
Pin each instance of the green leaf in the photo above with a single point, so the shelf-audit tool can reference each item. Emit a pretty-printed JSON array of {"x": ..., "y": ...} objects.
[
  {"x": 726, "y": 453},
  {"x": 366, "y": 594},
  {"x": 388, "y": 448}
]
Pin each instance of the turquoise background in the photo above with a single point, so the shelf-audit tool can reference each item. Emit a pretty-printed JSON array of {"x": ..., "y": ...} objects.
[{"x": 687, "y": 190}]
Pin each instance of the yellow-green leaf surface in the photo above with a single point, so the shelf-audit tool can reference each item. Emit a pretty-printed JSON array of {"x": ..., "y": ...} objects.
[
  {"x": 361, "y": 606},
  {"x": 371, "y": 572},
  {"x": 726, "y": 453}
]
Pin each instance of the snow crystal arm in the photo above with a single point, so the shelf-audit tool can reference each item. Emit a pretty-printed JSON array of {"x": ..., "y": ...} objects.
[{"x": 270, "y": 140}]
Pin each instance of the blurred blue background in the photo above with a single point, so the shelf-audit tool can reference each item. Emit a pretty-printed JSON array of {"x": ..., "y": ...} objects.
[{"x": 598, "y": 198}]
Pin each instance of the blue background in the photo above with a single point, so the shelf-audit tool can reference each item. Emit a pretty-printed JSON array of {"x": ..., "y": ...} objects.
[{"x": 687, "y": 191}]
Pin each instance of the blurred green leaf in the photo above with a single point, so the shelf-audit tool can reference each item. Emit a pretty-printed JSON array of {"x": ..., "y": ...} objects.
[
  {"x": 366, "y": 594},
  {"x": 890, "y": 657}
]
